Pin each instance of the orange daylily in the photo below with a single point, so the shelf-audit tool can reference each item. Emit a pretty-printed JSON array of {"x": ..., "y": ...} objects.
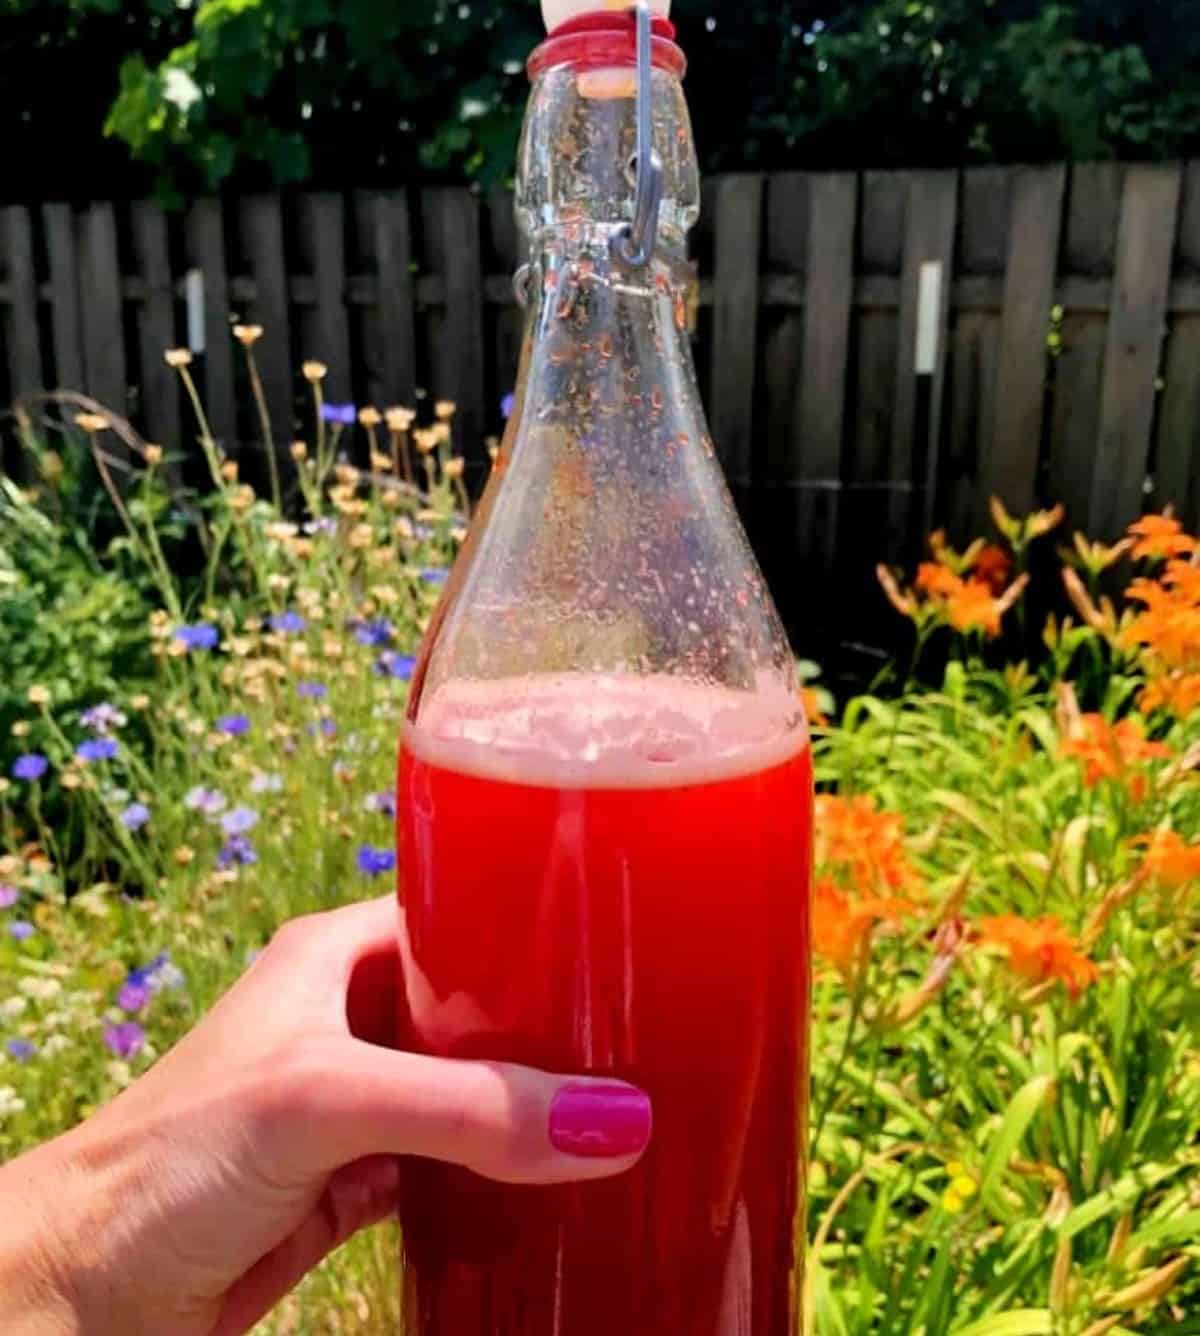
[
  {"x": 1169, "y": 861},
  {"x": 843, "y": 924},
  {"x": 812, "y": 707},
  {"x": 1161, "y": 536},
  {"x": 934, "y": 578},
  {"x": 1177, "y": 692},
  {"x": 1111, "y": 751},
  {"x": 972, "y": 607},
  {"x": 993, "y": 566},
  {"x": 852, "y": 834},
  {"x": 1040, "y": 950}
]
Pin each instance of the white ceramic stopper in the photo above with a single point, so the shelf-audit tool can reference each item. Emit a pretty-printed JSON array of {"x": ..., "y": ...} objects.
[{"x": 557, "y": 12}]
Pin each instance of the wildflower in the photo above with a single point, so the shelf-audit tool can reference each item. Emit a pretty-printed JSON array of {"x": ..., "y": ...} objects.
[
  {"x": 96, "y": 749},
  {"x": 314, "y": 372},
  {"x": 455, "y": 468},
  {"x": 13, "y": 1007},
  {"x": 299, "y": 451},
  {"x": 994, "y": 567},
  {"x": 399, "y": 667},
  {"x": 1096, "y": 558},
  {"x": 20, "y": 1050},
  {"x": 370, "y": 417},
  {"x": 325, "y": 728},
  {"x": 1021, "y": 532},
  {"x": 184, "y": 855},
  {"x": 91, "y": 422},
  {"x": 508, "y": 406},
  {"x": 209, "y": 802},
  {"x": 248, "y": 335},
  {"x": 177, "y": 358},
  {"x": 140, "y": 702},
  {"x": 375, "y": 634},
  {"x": 444, "y": 410},
  {"x": 202, "y": 636},
  {"x": 229, "y": 471},
  {"x": 153, "y": 455},
  {"x": 30, "y": 768},
  {"x": 21, "y": 729},
  {"x": 1112, "y": 751},
  {"x": 1169, "y": 861},
  {"x": 125, "y": 1040},
  {"x": 383, "y": 804},
  {"x": 843, "y": 925},
  {"x": 9, "y": 895},
  {"x": 400, "y": 419},
  {"x": 339, "y": 415},
  {"x": 374, "y": 862},
  {"x": 312, "y": 690},
  {"x": 133, "y": 996},
  {"x": 20, "y": 931},
  {"x": 288, "y": 623},
  {"x": 435, "y": 576},
  {"x": 103, "y": 718},
  {"x": 266, "y": 784},
  {"x": 234, "y": 725},
  {"x": 1159, "y": 537},
  {"x": 162, "y": 975},
  {"x": 135, "y": 816},
  {"x": 323, "y": 525},
  {"x": 866, "y": 843},
  {"x": 1040, "y": 950},
  {"x": 237, "y": 851},
  {"x": 39, "y": 696},
  {"x": 239, "y": 821}
]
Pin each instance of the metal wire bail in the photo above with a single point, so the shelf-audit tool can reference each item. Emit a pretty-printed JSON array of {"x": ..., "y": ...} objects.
[{"x": 635, "y": 241}]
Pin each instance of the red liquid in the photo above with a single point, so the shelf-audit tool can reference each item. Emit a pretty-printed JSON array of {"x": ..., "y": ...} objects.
[{"x": 655, "y": 932}]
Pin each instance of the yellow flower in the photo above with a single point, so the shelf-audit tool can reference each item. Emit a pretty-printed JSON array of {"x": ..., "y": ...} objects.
[
  {"x": 91, "y": 422},
  {"x": 154, "y": 455},
  {"x": 39, "y": 695},
  {"x": 248, "y": 335},
  {"x": 5, "y": 785},
  {"x": 242, "y": 499},
  {"x": 952, "y": 1201},
  {"x": 347, "y": 475},
  {"x": 281, "y": 531},
  {"x": 229, "y": 471},
  {"x": 20, "y": 729},
  {"x": 178, "y": 357},
  {"x": 444, "y": 410},
  {"x": 315, "y": 372},
  {"x": 184, "y": 855},
  {"x": 441, "y": 432},
  {"x": 370, "y": 417},
  {"x": 380, "y": 463},
  {"x": 400, "y": 419},
  {"x": 425, "y": 441},
  {"x": 299, "y": 450},
  {"x": 70, "y": 779},
  {"x": 140, "y": 702},
  {"x": 361, "y": 536},
  {"x": 965, "y": 1187}
]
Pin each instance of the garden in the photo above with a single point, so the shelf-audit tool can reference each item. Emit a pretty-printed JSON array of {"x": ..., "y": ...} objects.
[{"x": 201, "y": 694}]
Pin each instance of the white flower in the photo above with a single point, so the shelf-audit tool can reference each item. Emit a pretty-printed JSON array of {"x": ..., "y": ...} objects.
[
  {"x": 57, "y": 1043},
  {"x": 266, "y": 784},
  {"x": 119, "y": 1073},
  {"x": 41, "y": 990},
  {"x": 9, "y": 1103},
  {"x": 12, "y": 1007}
]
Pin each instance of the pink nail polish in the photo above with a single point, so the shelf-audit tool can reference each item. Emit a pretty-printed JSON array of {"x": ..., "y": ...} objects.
[{"x": 598, "y": 1120}]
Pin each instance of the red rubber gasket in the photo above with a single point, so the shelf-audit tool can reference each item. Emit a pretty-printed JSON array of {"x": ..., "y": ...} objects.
[{"x": 602, "y": 41}]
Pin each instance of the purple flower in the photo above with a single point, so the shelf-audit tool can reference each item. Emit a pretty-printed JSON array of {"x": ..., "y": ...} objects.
[
  {"x": 435, "y": 576},
  {"x": 327, "y": 728},
  {"x": 312, "y": 690},
  {"x": 239, "y": 821},
  {"x": 201, "y": 636},
  {"x": 208, "y": 801},
  {"x": 135, "y": 816},
  {"x": 375, "y": 634},
  {"x": 238, "y": 851},
  {"x": 9, "y": 895},
  {"x": 288, "y": 623},
  {"x": 266, "y": 784},
  {"x": 30, "y": 768},
  {"x": 324, "y": 525},
  {"x": 374, "y": 862},
  {"x": 21, "y": 931},
  {"x": 103, "y": 719},
  {"x": 125, "y": 1040},
  {"x": 97, "y": 749},
  {"x": 21, "y": 1050},
  {"x": 507, "y": 405},
  {"x": 383, "y": 803},
  {"x": 339, "y": 415},
  {"x": 133, "y": 996},
  {"x": 398, "y": 666},
  {"x": 236, "y": 725}
]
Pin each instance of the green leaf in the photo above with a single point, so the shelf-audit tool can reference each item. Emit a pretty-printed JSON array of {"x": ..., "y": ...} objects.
[
  {"x": 1026, "y": 1104},
  {"x": 1020, "y": 1322}
]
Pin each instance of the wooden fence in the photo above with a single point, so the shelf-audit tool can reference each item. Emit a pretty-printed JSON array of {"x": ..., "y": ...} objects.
[{"x": 1055, "y": 313}]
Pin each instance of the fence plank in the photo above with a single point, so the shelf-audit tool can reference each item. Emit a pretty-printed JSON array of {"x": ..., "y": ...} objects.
[
  {"x": 66, "y": 319},
  {"x": 1177, "y": 472},
  {"x": 323, "y": 229},
  {"x": 1035, "y": 231},
  {"x": 21, "y": 331},
  {"x": 262, "y": 225},
  {"x": 459, "y": 360},
  {"x": 929, "y": 237},
  {"x": 206, "y": 247},
  {"x": 103, "y": 333},
  {"x": 738, "y": 223},
  {"x": 397, "y": 297},
  {"x": 159, "y": 389},
  {"x": 1146, "y": 244}
]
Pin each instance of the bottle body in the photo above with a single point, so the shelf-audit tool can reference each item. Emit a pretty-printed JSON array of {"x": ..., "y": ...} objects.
[{"x": 605, "y": 798}]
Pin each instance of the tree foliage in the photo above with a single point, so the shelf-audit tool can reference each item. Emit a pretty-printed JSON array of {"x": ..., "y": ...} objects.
[{"x": 355, "y": 92}]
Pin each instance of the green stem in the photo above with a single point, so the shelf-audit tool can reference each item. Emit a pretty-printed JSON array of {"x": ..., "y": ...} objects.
[{"x": 264, "y": 417}]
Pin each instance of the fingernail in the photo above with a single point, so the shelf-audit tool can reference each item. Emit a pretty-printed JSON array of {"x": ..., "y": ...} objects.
[{"x": 598, "y": 1120}]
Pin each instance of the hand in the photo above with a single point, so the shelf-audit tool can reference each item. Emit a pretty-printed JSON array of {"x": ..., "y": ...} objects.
[{"x": 196, "y": 1200}]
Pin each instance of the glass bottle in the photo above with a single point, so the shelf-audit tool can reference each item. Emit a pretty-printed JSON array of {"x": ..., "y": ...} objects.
[{"x": 605, "y": 786}]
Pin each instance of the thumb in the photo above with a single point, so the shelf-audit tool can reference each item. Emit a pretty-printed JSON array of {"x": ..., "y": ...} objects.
[{"x": 509, "y": 1123}]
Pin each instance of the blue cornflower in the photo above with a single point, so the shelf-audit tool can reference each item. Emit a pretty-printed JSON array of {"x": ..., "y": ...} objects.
[
  {"x": 239, "y": 821},
  {"x": 208, "y": 801},
  {"x": 103, "y": 719},
  {"x": 163, "y": 973},
  {"x": 21, "y": 1050},
  {"x": 97, "y": 749},
  {"x": 135, "y": 816},
  {"x": 134, "y": 995},
  {"x": 21, "y": 931},
  {"x": 507, "y": 405},
  {"x": 9, "y": 895},
  {"x": 375, "y": 634},
  {"x": 236, "y": 725},
  {"x": 288, "y": 623},
  {"x": 30, "y": 768},
  {"x": 383, "y": 803},
  {"x": 399, "y": 666},
  {"x": 125, "y": 1040},
  {"x": 339, "y": 415},
  {"x": 201, "y": 636},
  {"x": 374, "y": 862},
  {"x": 312, "y": 690},
  {"x": 435, "y": 576},
  {"x": 237, "y": 851}
]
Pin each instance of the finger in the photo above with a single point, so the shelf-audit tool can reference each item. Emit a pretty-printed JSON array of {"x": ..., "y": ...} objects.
[
  {"x": 508, "y": 1123},
  {"x": 357, "y": 1197}
]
